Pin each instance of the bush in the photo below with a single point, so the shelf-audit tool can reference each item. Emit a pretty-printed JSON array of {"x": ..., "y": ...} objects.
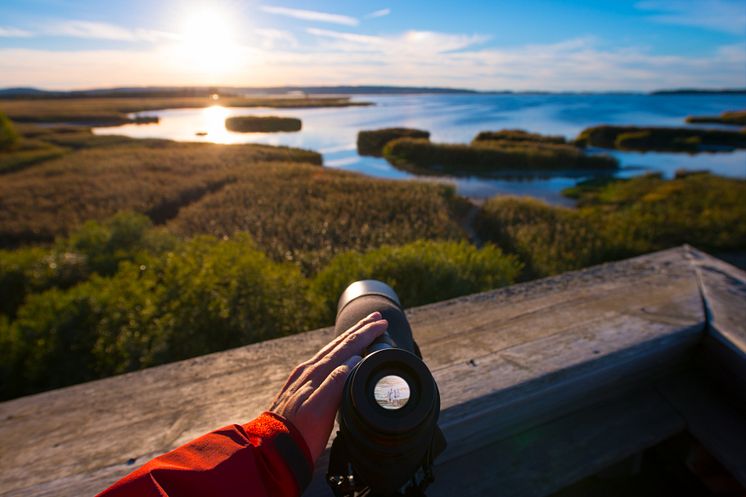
[
  {"x": 125, "y": 236},
  {"x": 491, "y": 156},
  {"x": 618, "y": 219},
  {"x": 371, "y": 142},
  {"x": 663, "y": 139},
  {"x": 421, "y": 272},
  {"x": 262, "y": 124},
  {"x": 517, "y": 135},
  {"x": 8, "y": 134},
  {"x": 206, "y": 295},
  {"x": 548, "y": 240}
]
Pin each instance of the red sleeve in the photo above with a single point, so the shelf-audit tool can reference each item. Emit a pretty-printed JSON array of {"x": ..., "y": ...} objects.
[{"x": 265, "y": 457}]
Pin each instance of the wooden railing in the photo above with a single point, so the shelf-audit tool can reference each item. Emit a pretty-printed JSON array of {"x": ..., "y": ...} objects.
[{"x": 542, "y": 384}]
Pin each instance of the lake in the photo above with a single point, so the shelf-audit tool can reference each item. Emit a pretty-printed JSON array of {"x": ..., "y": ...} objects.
[{"x": 458, "y": 118}]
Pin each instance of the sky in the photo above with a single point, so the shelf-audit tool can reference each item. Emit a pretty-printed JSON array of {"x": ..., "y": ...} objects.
[{"x": 568, "y": 45}]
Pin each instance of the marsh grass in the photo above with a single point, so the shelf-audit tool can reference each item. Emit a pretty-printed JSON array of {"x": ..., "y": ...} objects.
[
  {"x": 617, "y": 219},
  {"x": 113, "y": 111},
  {"x": 307, "y": 214},
  {"x": 734, "y": 117},
  {"x": 372, "y": 142},
  {"x": 491, "y": 156},
  {"x": 262, "y": 124},
  {"x": 156, "y": 178},
  {"x": 517, "y": 135},
  {"x": 689, "y": 140}
]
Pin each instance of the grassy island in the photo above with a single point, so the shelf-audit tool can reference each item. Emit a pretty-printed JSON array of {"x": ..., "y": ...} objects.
[
  {"x": 518, "y": 135},
  {"x": 661, "y": 139},
  {"x": 491, "y": 156},
  {"x": 262, "y": 124},
  {"x": 735, "y": 118},
  {"x": 372, "y": 142}
]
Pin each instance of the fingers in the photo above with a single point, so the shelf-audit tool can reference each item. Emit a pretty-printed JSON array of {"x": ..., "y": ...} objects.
[
  {"x": 353, "y": 345},
  {"x": 330, "y": 391},
  {"x": 376, "y": 316}
]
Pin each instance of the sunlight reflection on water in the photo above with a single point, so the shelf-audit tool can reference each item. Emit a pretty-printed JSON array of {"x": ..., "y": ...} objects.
[{"x": 458, "y": 118}]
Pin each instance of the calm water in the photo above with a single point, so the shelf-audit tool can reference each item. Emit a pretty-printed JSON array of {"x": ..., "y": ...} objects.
[{"x": 458, "y": 118}]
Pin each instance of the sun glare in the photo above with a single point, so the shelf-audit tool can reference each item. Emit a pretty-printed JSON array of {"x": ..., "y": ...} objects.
[{"x": 208, "y": 42}]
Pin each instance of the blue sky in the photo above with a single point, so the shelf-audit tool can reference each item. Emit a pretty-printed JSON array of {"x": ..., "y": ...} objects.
[{"x": 491, "y": 45}]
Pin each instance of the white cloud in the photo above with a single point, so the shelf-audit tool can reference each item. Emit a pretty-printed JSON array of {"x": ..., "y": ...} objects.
[
  {"x": 719, "y": 15},
  {"x": 275, "y": 38},
  {"x": 311, "y": 15},
  {"x": 379, "y": 13},
  {"x": 406, "y": 43},
  {"x": 104, "y": 31},
  {"x": 9, "y": 32},
  {"x": 412, "y": 58}
]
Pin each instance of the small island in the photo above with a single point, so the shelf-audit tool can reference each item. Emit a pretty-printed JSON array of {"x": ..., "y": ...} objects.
[
  {"x": 262, "y": 124},
  {"x": 372, "y": 142},
  {"x": 493, "y": 151},
  {"x": 661, "y": 139},
  {"x": 734, "y": 118}
]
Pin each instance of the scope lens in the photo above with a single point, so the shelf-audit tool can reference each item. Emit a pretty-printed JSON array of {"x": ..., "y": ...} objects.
[{"x": 391, "y": 392}]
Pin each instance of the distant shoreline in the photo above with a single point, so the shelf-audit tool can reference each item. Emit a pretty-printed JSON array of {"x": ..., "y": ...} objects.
[{"x": 23, "y": 93}]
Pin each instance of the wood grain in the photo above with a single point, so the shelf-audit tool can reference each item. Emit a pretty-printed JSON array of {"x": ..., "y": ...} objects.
[{"x": 505, "y": 361}]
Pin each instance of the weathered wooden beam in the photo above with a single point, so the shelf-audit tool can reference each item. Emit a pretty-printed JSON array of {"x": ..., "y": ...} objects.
[
  {"x": 723, "y": 289},
  {"x": 546, "y": 458},
  {"x": 711, "y": 418},
  {"x": 506, "y": 361}
]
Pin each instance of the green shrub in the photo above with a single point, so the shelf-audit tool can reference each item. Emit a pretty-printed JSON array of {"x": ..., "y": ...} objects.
[
  {"x": 262, "y": 124},
  {"x": 547, "y": 239},
  {"x": 517, "y": 135},
  {"x": 30, "y": 270},
  {"x": 8, "y": 135},
  {"x": 491, "y": 156},
  {"x": 94, "y": 248},
  {"x": 618, "y": 219},
  {"x": 658, "y": 138},
  {"x": 371, "y": 142},
  {"x": 124, "y": 236},
  {"x": 206, "y": 295},
  {"x": 421, "y": 272}
]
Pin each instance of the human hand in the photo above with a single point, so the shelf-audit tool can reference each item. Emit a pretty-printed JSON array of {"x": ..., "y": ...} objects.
[{"x": 312, "y": 393}]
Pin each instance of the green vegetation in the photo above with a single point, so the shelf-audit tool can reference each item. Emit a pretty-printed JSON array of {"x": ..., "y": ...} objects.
[
  {"x": 490, "y": 156},
  {"x": 617, "y": 219},
  {"x": 371, "y": 142},
  {"x": 517, "y": 135},
  {"x": 661, "y": 139},
  {"x": 113, "y": 111},
  {"x": 308, "y": 214},
  {"x": 262, "y": 124},
  {"x": 422, "y": 272},
  {"x": 171, "y": 298},
  {"x": 734, "y": 117},
  {"x": 8, "y": 134}
]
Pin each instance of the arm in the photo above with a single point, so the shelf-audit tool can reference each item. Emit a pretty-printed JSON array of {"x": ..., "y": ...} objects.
[{"x": 272, "y": 455}]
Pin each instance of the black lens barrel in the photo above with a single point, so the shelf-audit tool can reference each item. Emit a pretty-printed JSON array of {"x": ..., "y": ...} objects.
[{"x": 385, "y": 446}]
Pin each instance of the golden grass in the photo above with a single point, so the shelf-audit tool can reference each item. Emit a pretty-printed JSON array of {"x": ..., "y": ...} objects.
[
  {"x": 307, "y": 214},
  {"x": 156, "y": 178},
  {"x": 113, "y": 111}
]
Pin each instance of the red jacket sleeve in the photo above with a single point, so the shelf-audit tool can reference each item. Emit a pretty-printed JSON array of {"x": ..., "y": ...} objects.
[{"x": 265, "y": 457}]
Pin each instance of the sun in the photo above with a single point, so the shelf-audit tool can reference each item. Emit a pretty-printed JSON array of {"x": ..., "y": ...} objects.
[{"x": 207, "y": 42}]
